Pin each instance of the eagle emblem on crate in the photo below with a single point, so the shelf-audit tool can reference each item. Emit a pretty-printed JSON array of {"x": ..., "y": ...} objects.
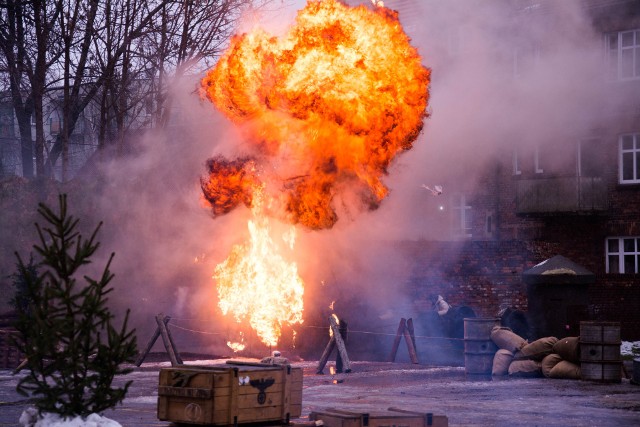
[{"x": 262, "y": 385}]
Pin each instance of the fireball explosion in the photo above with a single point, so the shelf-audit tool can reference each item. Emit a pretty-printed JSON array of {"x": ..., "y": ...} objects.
[{"x": 324, "y": 110}]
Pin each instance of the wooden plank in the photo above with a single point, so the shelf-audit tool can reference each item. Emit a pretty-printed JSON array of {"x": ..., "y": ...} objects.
[
  {"x": 196, "y": 393},
  {"x": 342, "y": 349},
  {"x": 332, "y": 417},
  {"x": 186, "y": 378},
  {"x": 429, "y": 418},
  {"x": 396, "y": 341},
  {"x": 167, "y": 341},
  {"x": 325, "y": 355},
  {"x": 232, "y": 416},
  {"x": 184, "y": 409},
  {"x": 410, "y": 344},
  {"x": 172, "y": 344},
  {"x": 286, "y": 393},
  {"x": 150, "y": 344}
]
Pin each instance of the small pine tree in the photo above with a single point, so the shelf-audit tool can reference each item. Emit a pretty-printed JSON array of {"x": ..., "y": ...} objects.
[{"x": 73, "y": 350}]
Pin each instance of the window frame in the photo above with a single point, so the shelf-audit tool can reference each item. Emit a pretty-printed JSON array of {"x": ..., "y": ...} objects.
[
  {"x": 516, "y": 162},
  {"x": 462, "y": 218},
  {"x": 615, "y": 55},
  {"x": 635, "y": 156},
  {"x": 621, "y": 253},
  {"x": 536, "y": 160}
]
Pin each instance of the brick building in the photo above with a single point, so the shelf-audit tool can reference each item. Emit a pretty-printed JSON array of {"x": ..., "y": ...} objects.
[{"x": 557, "y": 166}]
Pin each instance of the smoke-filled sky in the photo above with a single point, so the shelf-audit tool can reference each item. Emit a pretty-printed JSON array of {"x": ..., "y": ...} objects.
[{"x": 167, "y": 243}]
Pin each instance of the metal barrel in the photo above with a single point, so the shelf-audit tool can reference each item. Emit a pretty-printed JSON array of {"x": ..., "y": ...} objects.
[
  {"x": 600, "y": 358},
  {"x": 479, "y": 350}
]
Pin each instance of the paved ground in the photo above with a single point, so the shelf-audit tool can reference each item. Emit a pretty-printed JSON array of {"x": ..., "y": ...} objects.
[{"x": 373, "y": 386}]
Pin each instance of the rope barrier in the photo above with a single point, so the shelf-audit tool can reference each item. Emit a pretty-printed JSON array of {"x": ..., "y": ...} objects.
[
  {"x": 173, "y": 324},
  {"x": 193, "y": 330}
]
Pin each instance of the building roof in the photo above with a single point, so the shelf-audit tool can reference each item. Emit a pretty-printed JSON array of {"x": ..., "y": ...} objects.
[{"x": 558, "y": 270}]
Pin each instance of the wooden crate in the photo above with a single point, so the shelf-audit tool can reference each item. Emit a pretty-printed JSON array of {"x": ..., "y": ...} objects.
[
  {"x": 391, "y": 418},
  {"x": 230, "y": 394}
]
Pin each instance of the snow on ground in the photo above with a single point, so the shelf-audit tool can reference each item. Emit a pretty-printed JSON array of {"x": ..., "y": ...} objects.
[
  {"x": 29, "y": 418},
  {"x": 629, "y": 348}
]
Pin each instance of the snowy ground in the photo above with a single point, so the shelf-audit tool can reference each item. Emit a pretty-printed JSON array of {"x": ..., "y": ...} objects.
[
  {"x": 629, "y": 348},
  {"x": 443, "y": 390}
]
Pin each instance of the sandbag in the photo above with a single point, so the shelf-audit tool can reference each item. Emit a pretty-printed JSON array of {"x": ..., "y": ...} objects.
[
  {"x": 549, "y": 362},
  {"x": 501, "y": 361},
  {"x": 537, "y": 350},
  {"x": 525, "y": 368},
  {"x": 506, "y": 339},
  {"x": 566, "y": 370},
  {"x": 568, "y": 348}
]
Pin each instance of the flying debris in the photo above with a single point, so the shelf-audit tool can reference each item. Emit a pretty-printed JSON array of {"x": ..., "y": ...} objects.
[{"x": 436, "y": 190}]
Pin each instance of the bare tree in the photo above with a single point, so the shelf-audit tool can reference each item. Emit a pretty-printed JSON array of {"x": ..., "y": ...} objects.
[{"x": 117, "y": 55}]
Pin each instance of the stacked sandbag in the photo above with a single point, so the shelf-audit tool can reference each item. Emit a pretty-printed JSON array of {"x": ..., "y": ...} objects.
[
  {"x": 564, "y": 361},
  {"x": 549, "y": 362},
  {"x": 549, "y": 356},
  {"x": 525, "y": 368},
  {"x": 566, "y": 370},
  {"x": 506, "y": 339},
  {"x": 501, "y": 362},
  {"x": 569, "y": 349},
  {"x": 537, "y": 350},
  {"x": 527, "y": 362}
]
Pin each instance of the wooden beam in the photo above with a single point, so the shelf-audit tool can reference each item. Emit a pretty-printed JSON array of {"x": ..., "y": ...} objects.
[
  {"x": 162, "y": 330},
  {"x": 410, "y": 340},
  {"x": 325, "y": 355},
  {"x": 166, "y": 339},
  {"x": 396, "y": 342},
  {"x": 342, "y": 349},
  {"x": 150, "y": 344}
]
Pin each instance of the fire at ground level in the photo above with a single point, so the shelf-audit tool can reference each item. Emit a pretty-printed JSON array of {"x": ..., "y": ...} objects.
[{"x": 374, "y": 386}]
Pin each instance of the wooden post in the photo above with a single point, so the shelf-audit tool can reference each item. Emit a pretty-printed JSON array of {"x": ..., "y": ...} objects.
[
  {"x": 411, "y": 332},
  {"x": 396, "y": 341},
  {"x": 342, "y": 349},
  {"x": 410, "y": 340},
  {"x": 325, "y": 355},
  {"x": 169, "y": 345},
  {"x": 343, "y": 334},
  {"x": 405, "y": 329},
  {"x": 167, "y": 340}
]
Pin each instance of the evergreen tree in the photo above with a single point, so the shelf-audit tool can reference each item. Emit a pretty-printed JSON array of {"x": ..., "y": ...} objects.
[{"x": 73, "y": 350}]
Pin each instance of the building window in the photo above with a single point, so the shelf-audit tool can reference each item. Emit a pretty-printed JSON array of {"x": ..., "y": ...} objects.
[
  {"x": 623, "y": 255},
  {"x": 516, "y": 162},
  {"x": 461, "y": 216},
  {"x": 536, "y": 160},
  {"x": 622, "y": 52},
  {"x": 629, "y": 159}
]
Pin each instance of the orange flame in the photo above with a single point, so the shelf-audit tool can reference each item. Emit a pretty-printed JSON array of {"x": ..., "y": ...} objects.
[
  {"x": 337, "y": 98},
  {"x": 255, "y": 283},
  {"x": 324, "y": 109}
]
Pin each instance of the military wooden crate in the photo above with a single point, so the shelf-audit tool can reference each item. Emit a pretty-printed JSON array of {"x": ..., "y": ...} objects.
[
  {"x": 230, "y": 394},
  {"x": 392, "y": 417}
]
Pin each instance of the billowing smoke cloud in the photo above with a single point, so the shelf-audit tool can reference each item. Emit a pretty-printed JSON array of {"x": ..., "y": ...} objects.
[{"x": 485, "y": 99}]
